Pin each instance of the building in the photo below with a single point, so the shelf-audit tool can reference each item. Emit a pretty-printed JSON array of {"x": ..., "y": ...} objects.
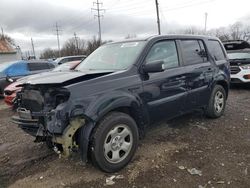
[{"x": 8, "y": 52}]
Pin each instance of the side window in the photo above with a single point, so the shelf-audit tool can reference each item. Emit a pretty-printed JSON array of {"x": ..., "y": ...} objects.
[
  {"x": 18, "y": 69},
  {"x": 216, "y": 50},
  {"x": 193, "y": 52},
  {"x": 164, "y": 51},
  {"x": 63, "y": 61},
  {"x": 38, "y": 66},
  {"x": 51, "y": 66}
]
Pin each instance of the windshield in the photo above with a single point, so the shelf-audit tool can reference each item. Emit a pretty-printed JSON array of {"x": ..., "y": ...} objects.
[
  {"x": 58, "y": 59},
  {"x": 117, "y": 56},
  {"x": 5, "y": 65},
  {"x": 240, "y": 55}
]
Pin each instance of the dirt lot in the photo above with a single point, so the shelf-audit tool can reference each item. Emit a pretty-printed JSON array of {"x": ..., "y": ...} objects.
[{"x": 218, "y": 150}]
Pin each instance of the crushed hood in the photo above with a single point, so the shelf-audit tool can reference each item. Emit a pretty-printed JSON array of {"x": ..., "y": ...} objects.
[{"x": 63, "y": 77}]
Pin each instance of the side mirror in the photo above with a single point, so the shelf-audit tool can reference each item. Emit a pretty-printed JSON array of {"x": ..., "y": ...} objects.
[
  {"x": 8, "y": 79},
  {"x": 155, "y": 66}
]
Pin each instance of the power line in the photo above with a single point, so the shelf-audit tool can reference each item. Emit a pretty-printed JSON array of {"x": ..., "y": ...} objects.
[
  {"x": 98, "y": 16},
  {"x": 188, "y": 5}
]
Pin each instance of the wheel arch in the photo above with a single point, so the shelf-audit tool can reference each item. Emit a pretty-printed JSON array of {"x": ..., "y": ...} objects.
[
  {"x": 225, "y": 85},
  {"x": 131, "y": 107}
]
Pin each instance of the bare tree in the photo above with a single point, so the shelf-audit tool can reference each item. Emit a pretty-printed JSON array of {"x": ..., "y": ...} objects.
[
  {"x": 92, "y": 45},
  {"x": 222, "y": 33},
  {"x": 7, "y": 38},
  {"x": 70, "y": 47},
  {"x": 131, "y": 36},
  {"x": 192, "y": 30},
  {"x": 49, "y": 53}
]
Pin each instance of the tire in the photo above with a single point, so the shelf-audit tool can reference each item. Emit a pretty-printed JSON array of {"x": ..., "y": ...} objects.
[
  {"x": 217, "y": 102},
  {"x": 114, "y": 142}
]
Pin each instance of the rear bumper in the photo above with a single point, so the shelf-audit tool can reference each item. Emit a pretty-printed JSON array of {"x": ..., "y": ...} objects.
[{"x": 30, "y": 126}]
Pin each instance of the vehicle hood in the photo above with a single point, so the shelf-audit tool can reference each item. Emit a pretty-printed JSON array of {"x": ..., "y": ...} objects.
[
  {"x": 63, "y": 77},
  {"x": 239, "y": 62},
  {"x": 14, "y": 86},
  {"x": 2, "y": 75}
]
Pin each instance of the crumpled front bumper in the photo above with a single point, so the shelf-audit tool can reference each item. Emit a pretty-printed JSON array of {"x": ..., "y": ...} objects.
[
  {"x": 33, "y": 127},
  {"x": 30, "y": 126},
  {"x": 25, "y": 121}
]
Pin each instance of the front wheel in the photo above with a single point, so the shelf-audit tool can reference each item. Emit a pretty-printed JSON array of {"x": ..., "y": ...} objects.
[
  {"x": 217, "y": 102},
  {"x": 114, "y": 142}
]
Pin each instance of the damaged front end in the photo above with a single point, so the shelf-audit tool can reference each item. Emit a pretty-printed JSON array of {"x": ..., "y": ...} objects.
[{"x": 44, "y": 112}]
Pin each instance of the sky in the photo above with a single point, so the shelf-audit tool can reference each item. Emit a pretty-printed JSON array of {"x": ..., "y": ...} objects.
[{"x": 23, "y": 19}]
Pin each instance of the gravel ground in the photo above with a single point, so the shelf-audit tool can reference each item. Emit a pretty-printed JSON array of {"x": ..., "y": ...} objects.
[{"x": 190, "y": 151}]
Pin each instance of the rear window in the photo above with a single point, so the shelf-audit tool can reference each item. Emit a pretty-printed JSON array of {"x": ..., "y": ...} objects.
[
  {"x": 193, "y": 52},
  {"x": 39, "y": 66},
  {"x": 216, "y": 50}
]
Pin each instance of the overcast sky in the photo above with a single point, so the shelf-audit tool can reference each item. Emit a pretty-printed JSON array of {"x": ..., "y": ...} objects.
[{"x": 23, "y": 19}]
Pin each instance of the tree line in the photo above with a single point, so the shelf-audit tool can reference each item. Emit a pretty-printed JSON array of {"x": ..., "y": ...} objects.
[
  {"x": 73, "y": 46},
  {"x": 78, "y": 46}
]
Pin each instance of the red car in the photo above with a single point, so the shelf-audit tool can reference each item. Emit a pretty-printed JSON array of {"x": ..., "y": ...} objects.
[{"x": 11, "y": 90}]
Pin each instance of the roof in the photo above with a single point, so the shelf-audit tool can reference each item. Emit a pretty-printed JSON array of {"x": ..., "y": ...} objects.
[
  {"x": 5, "y": 47},
  {"x": 169, "y": 36}
]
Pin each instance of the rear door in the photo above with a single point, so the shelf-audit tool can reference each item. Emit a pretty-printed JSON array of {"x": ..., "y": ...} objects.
[
  {"x": 164, "y": 92},
  {"x": 199, "y": 72}
]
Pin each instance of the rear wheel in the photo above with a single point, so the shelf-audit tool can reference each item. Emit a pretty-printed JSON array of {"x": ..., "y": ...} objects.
[
  {"x": 217, "y": 102},
  {"x": 114, "y": 142}
]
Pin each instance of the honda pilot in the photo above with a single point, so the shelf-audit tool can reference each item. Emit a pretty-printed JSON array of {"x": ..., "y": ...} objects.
[{"x": 101, "y": 108}]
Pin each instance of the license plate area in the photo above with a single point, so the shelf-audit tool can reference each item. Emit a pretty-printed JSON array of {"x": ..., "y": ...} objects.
[{"x": 24, "y": 114}]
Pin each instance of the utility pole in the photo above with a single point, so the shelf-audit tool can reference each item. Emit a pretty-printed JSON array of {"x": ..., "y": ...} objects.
[
  {"x": 58, "y": 41},
  {"x": 158, "y": 18},
  {"x": 77, "y": 47},
  {"x": 33, "y": 48},
  {"x": 205, "y": 29},
  {"x": 98, "y": 16}
]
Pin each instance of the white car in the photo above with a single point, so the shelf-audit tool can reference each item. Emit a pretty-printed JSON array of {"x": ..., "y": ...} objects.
[{"x": 239, "y": 55}]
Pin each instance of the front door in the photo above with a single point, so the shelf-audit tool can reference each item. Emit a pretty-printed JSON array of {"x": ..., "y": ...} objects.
[{"x": 164, "y": 92}]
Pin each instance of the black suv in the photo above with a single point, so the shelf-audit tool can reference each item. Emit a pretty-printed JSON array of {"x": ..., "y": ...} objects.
[{"x": 103, "y": 106}]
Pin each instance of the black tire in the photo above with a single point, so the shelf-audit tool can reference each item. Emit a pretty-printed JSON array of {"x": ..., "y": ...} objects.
[
  {"x": 211, "y": 110},
  {"x": 114, "y": 121}
]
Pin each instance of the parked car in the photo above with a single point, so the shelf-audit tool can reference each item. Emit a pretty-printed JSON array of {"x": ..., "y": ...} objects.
[
  {"x": 71, "y": 65},
  {"x": 11, "y": 71},
  {"x": 103, "y": 107},
  {"x": 65, "y": 59},
  {"x": 11, "y": 90},
  {"x": 239, "y": 57}
]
